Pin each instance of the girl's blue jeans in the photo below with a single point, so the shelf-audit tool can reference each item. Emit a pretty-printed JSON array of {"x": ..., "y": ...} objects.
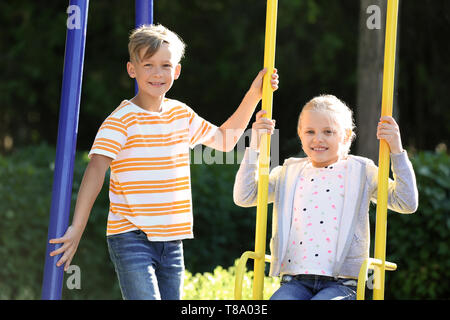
[
  {"x": 147, "y": 270},
  {"x": 315, "y": 288}
]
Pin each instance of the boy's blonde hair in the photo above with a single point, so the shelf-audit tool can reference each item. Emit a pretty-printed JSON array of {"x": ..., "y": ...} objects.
[
  {"x": 338, "y": 111},
  {"x": 152, "y": 37}
]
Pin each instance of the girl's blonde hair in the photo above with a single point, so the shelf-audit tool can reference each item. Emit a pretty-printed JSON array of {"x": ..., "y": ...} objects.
[
  {"x": 152, "y": 37},
  {"x": 338, "y": 111}
]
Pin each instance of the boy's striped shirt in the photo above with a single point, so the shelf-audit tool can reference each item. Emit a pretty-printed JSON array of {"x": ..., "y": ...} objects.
[{"x": 150, "y": 185}]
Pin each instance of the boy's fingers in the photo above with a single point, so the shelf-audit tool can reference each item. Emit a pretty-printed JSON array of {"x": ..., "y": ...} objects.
[
  {"x": 65, "y": 258},
  {"x": 60, "y": 250},
  {"x": 68, "y": 262},
  {"x": 57, "y": 240},
  {"x": 67, "y": 265},
  {"x": 262, "y": 72}
]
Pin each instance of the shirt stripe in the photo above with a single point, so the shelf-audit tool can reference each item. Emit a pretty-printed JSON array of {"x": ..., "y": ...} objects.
[{"x": 150, "y": 185}]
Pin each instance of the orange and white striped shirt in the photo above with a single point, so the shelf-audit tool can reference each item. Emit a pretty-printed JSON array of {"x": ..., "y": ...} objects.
[{"x": 150, "y": 185}]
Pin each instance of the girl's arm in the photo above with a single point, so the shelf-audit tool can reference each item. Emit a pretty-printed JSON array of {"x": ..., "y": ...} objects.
[
  {"x": 402, "y": 191},
  {"x": 389, "y": 130},
  {"x": 246, "y": 184},
  {"x": 90, "y": 188},
  {"x": 245, "y": 191},
  {"x": 403, "y": 195}
]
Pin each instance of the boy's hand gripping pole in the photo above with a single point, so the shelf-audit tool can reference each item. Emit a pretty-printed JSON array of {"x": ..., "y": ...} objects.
[
  {"x": 383, "y": 161},
  {"x": 264, "y": 158}
]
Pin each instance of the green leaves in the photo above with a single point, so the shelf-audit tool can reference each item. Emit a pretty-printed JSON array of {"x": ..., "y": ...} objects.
[
  {"x": 219, "y": 285},
  {"x": 418, "y": 243}
]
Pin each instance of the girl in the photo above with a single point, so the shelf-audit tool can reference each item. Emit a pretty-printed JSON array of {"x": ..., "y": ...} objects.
[{"x": 320, "y": 229}]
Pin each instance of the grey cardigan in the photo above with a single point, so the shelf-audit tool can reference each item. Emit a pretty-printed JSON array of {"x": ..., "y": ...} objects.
[{"x": 360, "y": 188}]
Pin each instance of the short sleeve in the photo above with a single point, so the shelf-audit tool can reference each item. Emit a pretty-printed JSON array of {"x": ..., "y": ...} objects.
[
  {"x": 200, "y": 130},
  {"x": 110, "y": 138}
]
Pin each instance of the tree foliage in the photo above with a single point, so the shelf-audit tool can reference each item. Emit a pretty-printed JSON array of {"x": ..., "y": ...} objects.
[{"x": 317, "y": 48}]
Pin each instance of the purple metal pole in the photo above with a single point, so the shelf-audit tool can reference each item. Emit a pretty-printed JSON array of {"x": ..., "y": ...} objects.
[
  {"x": 66, "y": 143},
  {"x": 143, "y": 12},
  {"x": 143, "y": 15}
]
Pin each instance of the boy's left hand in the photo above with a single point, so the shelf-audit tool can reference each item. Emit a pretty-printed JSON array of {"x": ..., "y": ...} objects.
[
  {"x": 389, "y": 130},
  {"x": 256, "y": 86}
]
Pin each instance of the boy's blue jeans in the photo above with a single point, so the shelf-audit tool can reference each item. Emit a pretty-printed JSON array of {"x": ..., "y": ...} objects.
[
  {"x": 147, "y": 270},
  {"x": 315, "y": 288}
]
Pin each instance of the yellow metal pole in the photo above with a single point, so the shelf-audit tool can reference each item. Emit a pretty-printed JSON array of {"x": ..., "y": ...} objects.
[
  {"x": 383, "y": 162},
  {"x": 264, "y": 159}
]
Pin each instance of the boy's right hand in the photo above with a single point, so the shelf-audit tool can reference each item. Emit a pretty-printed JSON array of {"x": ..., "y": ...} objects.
[
  {"x": 257, "y": 84},
  {"x": 70, "y": 242},
  {"x": 261, "y": 126}
]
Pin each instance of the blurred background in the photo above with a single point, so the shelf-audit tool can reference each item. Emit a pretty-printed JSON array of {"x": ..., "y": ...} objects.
[{"x": 323, "y": 46}]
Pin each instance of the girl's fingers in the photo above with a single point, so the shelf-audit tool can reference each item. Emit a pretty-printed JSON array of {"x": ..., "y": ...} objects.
[
  {"x": 264, "y": 122},
  {"x": 389, "y": 122},
  {"x": 387, "y": 126},
  {"x": 387, "y": 119},
  {"x": 260, "y": 114}
]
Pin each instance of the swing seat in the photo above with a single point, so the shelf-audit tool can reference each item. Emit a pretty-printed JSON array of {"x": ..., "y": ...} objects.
[{"x": 368, "y": 264}]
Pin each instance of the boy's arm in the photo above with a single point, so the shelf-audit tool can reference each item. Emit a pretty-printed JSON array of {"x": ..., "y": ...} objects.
[
  {"x": 231, "y": 130},
  {"x": 90, "y": 188}
]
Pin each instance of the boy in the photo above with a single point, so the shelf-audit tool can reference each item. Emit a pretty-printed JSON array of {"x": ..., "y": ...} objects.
[{"x": 145, "y": 141}]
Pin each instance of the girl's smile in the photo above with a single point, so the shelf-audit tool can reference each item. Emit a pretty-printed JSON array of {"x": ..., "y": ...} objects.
[{"x": 322, "y": 139}]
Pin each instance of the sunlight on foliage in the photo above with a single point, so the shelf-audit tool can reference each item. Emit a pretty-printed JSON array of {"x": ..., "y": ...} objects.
[{"x": 219, "y": 285}]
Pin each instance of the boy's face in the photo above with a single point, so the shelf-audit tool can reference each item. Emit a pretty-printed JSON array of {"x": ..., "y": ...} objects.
[
  {"x": 322, "y": 139},
  {"x": 155, "y": 75}
]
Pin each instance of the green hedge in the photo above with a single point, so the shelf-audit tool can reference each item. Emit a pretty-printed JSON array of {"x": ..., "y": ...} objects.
[
  {"x": 219, "y": 285},
  {"x": 418, "y": 243}
]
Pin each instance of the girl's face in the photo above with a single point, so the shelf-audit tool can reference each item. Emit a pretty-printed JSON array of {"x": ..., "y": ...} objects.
[{"x": 322, "y": 139}]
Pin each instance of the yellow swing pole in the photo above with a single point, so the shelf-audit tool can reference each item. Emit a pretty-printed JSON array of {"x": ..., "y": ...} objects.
[
  {"x": 383, "y": 162},
  {"x": 264, "y": 159}
]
